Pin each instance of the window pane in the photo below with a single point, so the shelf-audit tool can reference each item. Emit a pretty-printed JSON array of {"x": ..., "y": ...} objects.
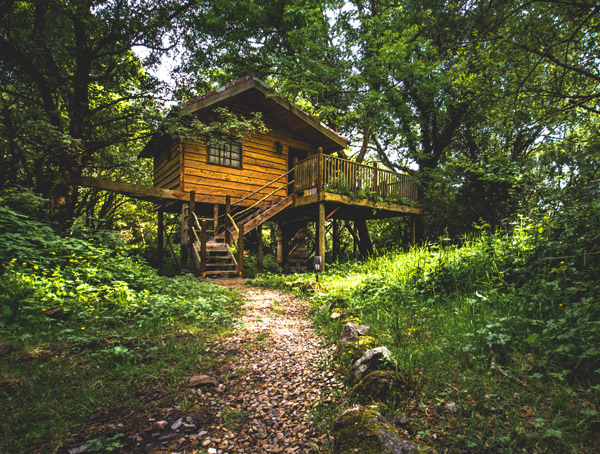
[{"x": 225, "y": 150}]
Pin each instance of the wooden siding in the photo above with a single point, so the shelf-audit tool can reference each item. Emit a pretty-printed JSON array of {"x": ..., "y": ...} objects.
[
  {"x": 167, "y": 168},
  {"x": 261, "y": 164}
]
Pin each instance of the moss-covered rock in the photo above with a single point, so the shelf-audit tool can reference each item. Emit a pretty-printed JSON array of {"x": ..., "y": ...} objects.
[
  {"x": 349, "y": 352},
  {"x": 363, "y": 430},
  {"x": 378, "y": 358},
  {"x": 382, "y": 386},
  {"x": 352, "y": 333}
]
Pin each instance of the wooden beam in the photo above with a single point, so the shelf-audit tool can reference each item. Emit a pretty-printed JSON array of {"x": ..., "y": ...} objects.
[
  {"x": 160, "y": 234},
  {"x": 134, "y": 190},
  {"x": 203, "y": 247},
  {"x": 184, "y": 238},
  {"x": 346, "y": 200}
]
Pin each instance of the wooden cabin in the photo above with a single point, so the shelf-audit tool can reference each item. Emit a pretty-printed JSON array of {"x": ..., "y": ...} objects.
[{"x": 290, "y": 175}]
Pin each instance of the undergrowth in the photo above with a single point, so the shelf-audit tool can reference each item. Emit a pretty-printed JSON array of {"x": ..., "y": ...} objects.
[
  {"x": 503, "y": 326},
  {"x": 89, "y": 330}
]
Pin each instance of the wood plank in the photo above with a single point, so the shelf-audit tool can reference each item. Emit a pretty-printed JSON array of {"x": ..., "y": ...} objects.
[
  {"x": 134, "y": 190},
  {"x": 220, "y": 172},
  {"x": 215, "y": 185},
  {"x": 217, "y": 195}
]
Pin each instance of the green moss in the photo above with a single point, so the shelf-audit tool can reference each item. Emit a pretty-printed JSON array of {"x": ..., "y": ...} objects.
[
  {"x": 356, "y": 431},
  {"x": 363, "y": 430},
  {"x": 382, "y": 386},
  {"x": 348, "y": 353}
]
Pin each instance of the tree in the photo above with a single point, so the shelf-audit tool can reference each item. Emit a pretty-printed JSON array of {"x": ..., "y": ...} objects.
[{"x": 71, "y": 86}]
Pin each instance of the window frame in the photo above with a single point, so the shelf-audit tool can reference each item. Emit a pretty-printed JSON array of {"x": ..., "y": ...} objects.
[{"x": 218, "y": 150}]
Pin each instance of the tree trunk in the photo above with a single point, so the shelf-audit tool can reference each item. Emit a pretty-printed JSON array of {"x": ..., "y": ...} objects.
[{"x": 64, "y": 193}]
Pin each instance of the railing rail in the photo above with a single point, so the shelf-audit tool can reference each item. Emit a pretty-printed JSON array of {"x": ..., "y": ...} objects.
[{"x": 347, "y": 177}]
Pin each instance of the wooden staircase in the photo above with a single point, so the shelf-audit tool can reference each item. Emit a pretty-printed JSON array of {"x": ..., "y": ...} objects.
[
  {"x": 254, "y": 218},
  {"x": 220, "y": 261}
]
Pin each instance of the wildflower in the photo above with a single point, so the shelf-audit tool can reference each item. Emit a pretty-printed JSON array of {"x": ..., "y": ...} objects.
[
  {"x": 13, "y": 260},
  {"x": 83, "y": 327}
]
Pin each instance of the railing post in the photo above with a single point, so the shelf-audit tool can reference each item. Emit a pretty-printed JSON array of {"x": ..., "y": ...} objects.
[
  {"x": 191, "y": 211},
  {"x": 375, "y": 188},
  {"x": 227, "y": 220},
  {"x": 320, "y": 173},
  {"x": 294, "y": 176},
  {"x": 215, "y": 219},
  {"x": 203, "y": 247},
  {"x": 241, "y": 249}
]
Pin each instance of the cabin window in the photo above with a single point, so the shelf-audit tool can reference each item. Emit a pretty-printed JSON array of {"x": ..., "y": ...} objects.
[{"x": 225, "y": 150}]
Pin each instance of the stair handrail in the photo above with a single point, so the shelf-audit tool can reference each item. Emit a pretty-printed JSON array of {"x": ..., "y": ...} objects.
[
  {"x": 264, "y": 198},
  {"x": 233, "y": 223},
  {"x": 263, "y": 187}
]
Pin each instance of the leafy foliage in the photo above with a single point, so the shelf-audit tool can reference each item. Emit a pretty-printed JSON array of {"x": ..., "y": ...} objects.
[
  {"x": 499, "y": 321},
  {"x": 86, "y": 322}
]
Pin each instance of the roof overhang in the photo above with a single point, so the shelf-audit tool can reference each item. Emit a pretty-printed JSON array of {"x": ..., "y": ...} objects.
[{"x": 257, "y": 95}]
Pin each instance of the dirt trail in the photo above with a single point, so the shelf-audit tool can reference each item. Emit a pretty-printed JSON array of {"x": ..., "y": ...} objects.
[{"x": 263, "y": 401}]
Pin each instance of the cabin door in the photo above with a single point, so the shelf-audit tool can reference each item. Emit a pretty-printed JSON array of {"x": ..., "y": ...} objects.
[{"x": 298, "y": 154}]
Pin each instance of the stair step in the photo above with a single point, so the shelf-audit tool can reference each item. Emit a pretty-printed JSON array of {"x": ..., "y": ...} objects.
[{"x": 221, "y": 273}]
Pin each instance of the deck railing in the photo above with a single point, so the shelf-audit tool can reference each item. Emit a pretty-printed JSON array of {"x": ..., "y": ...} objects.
[{"x": 346, "y": 177}]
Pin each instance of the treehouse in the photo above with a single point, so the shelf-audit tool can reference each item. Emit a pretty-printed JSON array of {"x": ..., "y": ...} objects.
[{"x": 293, "y": 174}]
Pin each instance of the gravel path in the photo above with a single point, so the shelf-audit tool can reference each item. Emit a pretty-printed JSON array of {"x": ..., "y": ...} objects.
[{"x": 264, "y": 399}]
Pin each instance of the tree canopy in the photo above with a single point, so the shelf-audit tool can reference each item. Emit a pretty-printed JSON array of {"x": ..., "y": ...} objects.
[{"x": 476, "y": 98}]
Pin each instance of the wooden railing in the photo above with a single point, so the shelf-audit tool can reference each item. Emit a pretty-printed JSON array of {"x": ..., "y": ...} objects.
[{"x": 346, "y": 177}]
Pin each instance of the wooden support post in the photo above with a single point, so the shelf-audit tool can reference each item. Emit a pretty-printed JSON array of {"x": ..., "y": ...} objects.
[
  {"x": 336, "y": 241},
  {"x": 183, "y": 250},
  {"x": 191, "y": 212},
  {"x": 413, "y": 230},
  {"x": 227, "y": 221},
  {"x": 320, "y": 171},
  {"x": 215, "y": 219},
  {"x": 203, "y": 228},
  {"x": 259, "y": 249},
  {"x": 321, "y": 234},
  {"x": 160, "y": 246},
  {"x": 241, "y": 249}
]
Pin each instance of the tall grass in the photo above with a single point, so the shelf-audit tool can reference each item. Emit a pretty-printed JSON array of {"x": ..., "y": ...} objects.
[{"x": 505, "y": 325}]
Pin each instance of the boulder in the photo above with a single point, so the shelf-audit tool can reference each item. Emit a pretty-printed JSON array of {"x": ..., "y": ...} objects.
[
  {"x": 373, "y": 359},
  {"x": 351, "y": 333},
  {"x": 363, "y": 430},
  {"x": 382, "y": 386}
]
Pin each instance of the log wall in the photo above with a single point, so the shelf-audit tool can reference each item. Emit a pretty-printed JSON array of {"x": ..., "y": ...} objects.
[
  {"x": 167, "y": 169},
  {"x": 261, "y": 164}
]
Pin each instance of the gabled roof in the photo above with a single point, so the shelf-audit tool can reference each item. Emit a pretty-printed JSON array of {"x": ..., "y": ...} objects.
[{"x": 254, "y": 93}]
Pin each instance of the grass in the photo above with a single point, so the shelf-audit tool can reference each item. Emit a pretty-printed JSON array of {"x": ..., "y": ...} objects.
[
  {"x": 91, "y": 338},
  {"x": 504, "y": 328}
]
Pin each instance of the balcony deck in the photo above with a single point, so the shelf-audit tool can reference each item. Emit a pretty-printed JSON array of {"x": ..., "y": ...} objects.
[{"x": 329, "y": 179}]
